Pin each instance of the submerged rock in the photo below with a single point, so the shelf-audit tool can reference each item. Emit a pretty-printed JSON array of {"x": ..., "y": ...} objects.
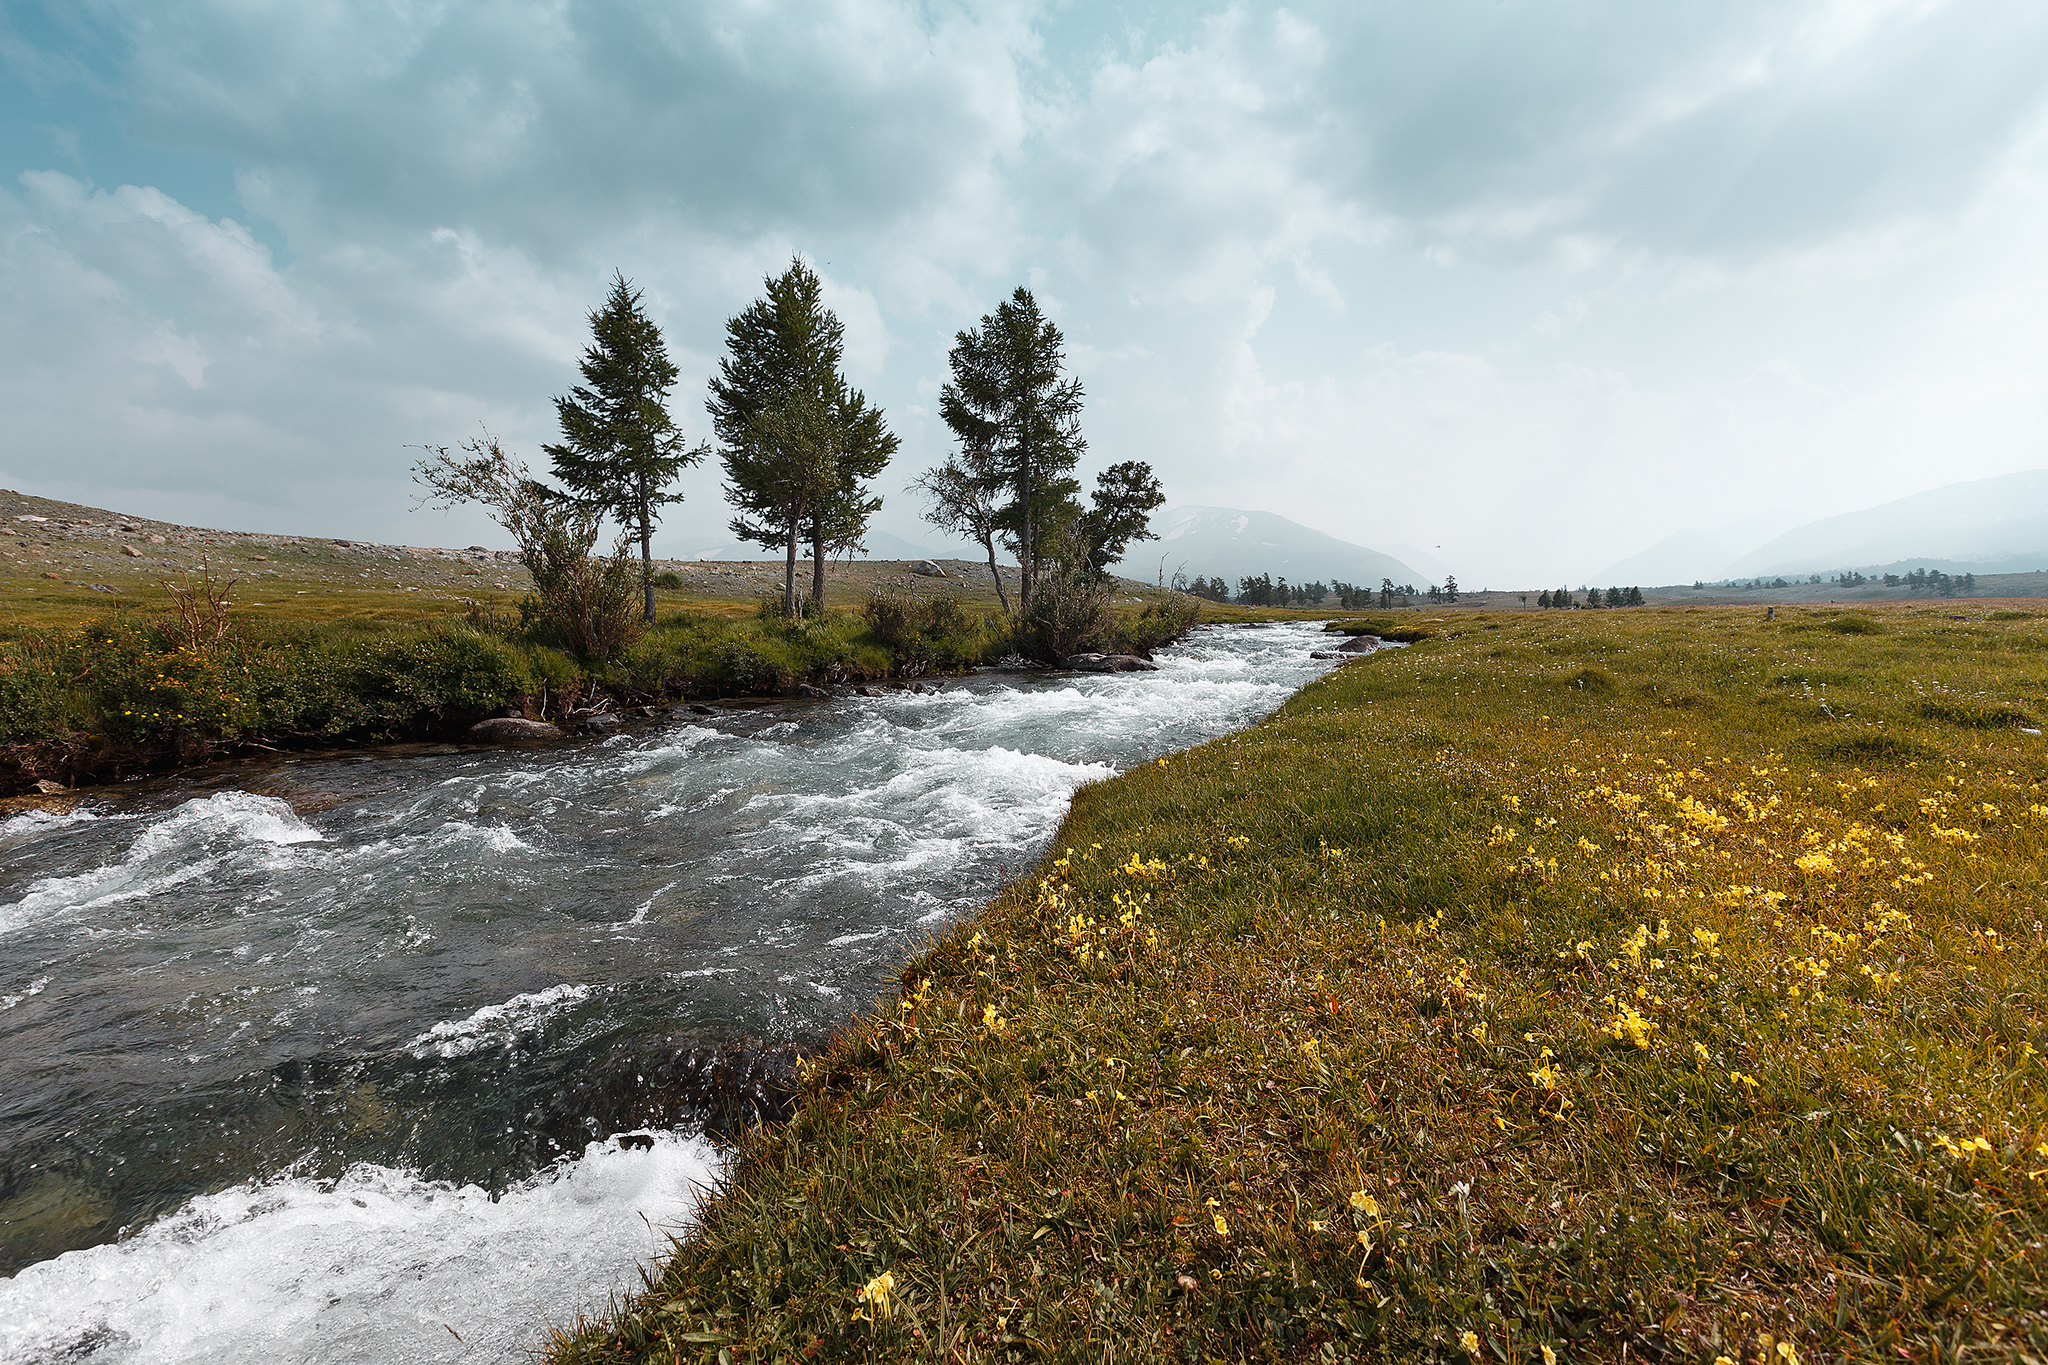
[
  {"x": 499, "y": 729},
  {"x": 1109, "y": 663}
]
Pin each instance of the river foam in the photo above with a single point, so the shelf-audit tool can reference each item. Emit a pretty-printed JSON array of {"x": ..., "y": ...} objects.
[{"x": 377, "y": 1266}]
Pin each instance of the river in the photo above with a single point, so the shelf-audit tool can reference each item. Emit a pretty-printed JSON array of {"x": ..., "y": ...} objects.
[{"x": 398, "y": 1055}]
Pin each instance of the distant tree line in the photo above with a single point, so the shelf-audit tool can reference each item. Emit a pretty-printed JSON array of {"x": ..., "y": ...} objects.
[
  {"x": 1614, "y": 597},
  {"x": 1920, "y": 581},
  {"x": 1266, "y": 591}
]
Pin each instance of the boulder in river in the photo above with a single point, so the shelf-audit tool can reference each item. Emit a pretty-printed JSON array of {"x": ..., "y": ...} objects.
[
  {"x": 1360, "y": 644},
  {"x": 1109, "y": 663},
  {"x": 603, "y": 723},
  {"x": 499, "y": 729}
]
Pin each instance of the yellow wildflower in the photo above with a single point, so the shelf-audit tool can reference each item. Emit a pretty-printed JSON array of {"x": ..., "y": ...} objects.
[
  {"x": 877, "y": 1296},
  {"x": 1469, "y": 1339},
  {"x": 1365, "y": 1203},
  {"x": 1222, "y": 1225}
]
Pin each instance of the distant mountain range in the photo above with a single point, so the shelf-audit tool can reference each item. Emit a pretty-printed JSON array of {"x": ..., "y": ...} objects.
[
  {"x": 1227, "y": 543},
  {"x": 1997, "y": 525}
]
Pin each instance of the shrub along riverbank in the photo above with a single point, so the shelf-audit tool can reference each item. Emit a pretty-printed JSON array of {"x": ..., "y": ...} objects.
[
  {"x": 129, "y": 693},
  {"x": 1665, "y": 984}
]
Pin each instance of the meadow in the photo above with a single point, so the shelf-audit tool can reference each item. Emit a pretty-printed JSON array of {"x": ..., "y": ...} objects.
[{"x": 1578, "y": 986}]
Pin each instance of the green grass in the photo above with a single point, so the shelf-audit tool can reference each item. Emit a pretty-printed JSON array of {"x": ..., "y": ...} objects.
[{"x": 1460, "y": 997}]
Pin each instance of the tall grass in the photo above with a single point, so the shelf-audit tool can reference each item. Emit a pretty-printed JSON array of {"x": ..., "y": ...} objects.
[{"x": 1464, "y": 1012}]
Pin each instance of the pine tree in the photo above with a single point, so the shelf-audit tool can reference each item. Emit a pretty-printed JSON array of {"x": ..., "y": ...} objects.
[
  {"x": 1543, "y": 600},
  {"x": 798, "y": 445},
  {"x": 1008, "y": 398},
  {"x": 620, "y": 449}
]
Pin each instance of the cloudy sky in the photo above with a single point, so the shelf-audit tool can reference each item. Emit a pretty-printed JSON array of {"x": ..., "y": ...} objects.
[{"x": 1535, "y": 283}]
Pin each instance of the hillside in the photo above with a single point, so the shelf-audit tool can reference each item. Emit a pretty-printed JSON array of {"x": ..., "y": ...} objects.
[
  {"x": 1212, "y": 542},
  {"x": 1990, "y": 525}
]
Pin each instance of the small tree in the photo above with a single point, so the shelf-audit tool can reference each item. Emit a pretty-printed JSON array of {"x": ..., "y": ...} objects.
[
  {"x": 620, "y": 450},
  {"x": 798, "y": 445},
  {"x": 962, "y": 496},
  {"x": 582, "y": 603},
  {"x": 1124, "y": 498},
  {"x": 1008, "y": 397}
]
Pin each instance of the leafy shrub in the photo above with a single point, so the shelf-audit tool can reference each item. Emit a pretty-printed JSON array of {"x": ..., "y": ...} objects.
[
  {"x": 926, "y": 635},
  {"x": 1159, "y": 624},
  {"x": 1069, "y": 613},
  {"x": 1856, "y": 625},
  {"x": 670, "y": 579}
]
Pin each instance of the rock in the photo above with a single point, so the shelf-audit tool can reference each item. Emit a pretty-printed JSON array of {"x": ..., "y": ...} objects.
[
  {"x": 500, "y": 729},
  {"x": 131, "y": 552},
  {"x": 103, "y": 587},
  {"x": 928, "y": 569},
  {"x": 156, "y": 540},
  {"x": 867, "y": 691},
  {"x": 1109, "y": 663},
  {"x": 810, "y": 690},
  {"x": 603, "y": 723},
  {"x": 1360, "y": 644},
  {"x": 59, "y": 577},
  {"x": 1330, "y": 654},
  {"x": 698, "y": 708}
]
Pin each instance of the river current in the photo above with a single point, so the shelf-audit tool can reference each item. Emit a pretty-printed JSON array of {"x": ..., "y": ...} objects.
[{"x": 399, "y": 1055}]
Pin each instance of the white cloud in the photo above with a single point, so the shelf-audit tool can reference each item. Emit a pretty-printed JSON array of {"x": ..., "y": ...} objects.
[{"x": 1548, "y": 282}]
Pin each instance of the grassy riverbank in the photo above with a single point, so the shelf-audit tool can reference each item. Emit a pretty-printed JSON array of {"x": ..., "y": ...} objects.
[
  {"x": 1652, "y": 983},
  {"x": 320, "y": 642}
]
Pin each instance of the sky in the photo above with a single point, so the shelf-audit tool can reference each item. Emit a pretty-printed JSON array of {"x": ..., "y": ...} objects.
[{"x": 1529, "y": 286}]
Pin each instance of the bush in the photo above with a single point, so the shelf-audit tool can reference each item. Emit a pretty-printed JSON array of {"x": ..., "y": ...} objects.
[
  {"x": 1069, "y": 612},
  {"x": 925, "y": 635},
  {"x": 1158, "y": 625}
]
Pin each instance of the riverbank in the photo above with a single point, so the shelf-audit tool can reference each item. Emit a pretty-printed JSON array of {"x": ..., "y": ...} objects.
[{"x": 1569, "y": 986}]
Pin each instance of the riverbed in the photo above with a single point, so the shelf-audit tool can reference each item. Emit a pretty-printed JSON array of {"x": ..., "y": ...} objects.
[{"x": 399, "y": 1055}]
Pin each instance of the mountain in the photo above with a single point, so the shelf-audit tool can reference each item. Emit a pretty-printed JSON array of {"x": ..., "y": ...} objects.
[
  {"x": 1993, "y": 524},
  {"x": 1222, "y": 542}
]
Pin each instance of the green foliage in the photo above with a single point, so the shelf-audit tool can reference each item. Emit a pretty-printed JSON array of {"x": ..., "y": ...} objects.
[
  {"x": 131, "y": 681},
  {"x": 620, "y": 449},
  {"x": 930, "y": 635},
  {"x": 1008, "y": 402},
  {"x": 799, "y": 446},
  {"x": 1159, "y": 624},
  {"x": 1068, "y": 612}
]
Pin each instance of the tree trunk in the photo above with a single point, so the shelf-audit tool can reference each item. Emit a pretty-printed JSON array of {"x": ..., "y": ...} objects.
[
  {"x": 646, "y": 550},
  {"x": 1027, "y": 558},
  {"x": 988, "y": 542},
  {"x": 789, "y": 575},
  {"x": 818, "y": 570}
]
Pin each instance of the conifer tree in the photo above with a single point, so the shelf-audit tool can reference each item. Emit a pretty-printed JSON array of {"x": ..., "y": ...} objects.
[
  {"x": 620, "y": 450},
  {"x": 798, "y": 445},
  {"x": 1009, "y": 397}
]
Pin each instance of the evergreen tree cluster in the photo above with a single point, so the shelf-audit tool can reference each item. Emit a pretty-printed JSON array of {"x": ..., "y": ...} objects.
[{"x": 1613, "y": 597}]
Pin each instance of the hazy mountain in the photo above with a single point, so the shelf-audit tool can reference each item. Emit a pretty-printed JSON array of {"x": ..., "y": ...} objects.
[
  {"x": 1694, "y": 553},
  {"x": 1222, "y": 542},
  {"x": 1989, "y": 523}
]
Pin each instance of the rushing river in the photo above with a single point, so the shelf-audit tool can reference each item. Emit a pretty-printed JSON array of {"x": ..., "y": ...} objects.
[{"x": 331, "y": 1059}]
